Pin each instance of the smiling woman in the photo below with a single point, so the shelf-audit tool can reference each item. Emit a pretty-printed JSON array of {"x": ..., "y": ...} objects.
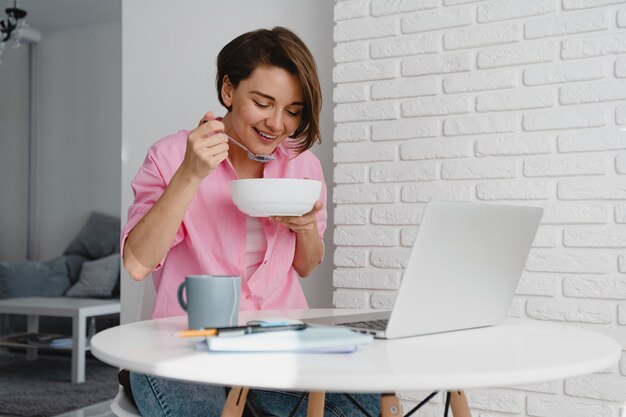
[
  {"x": 183, "y": 221},
  {"x": 260, "y": 85},
  {"x": 169, "y": 82}
]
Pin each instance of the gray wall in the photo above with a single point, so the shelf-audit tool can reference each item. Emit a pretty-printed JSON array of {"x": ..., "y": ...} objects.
[
  {"x": 168, "y": 72},
  {"x": 13, "y": 153},
  {"x": 79, "y": 137},
  {"x": 79, "y": 131}
]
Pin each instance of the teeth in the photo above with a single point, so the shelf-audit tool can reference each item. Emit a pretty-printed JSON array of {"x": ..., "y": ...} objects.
[{"x": 267, "y": 136}]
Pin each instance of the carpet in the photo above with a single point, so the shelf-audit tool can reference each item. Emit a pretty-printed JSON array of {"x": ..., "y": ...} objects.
[{"x": 42, "y": 388}]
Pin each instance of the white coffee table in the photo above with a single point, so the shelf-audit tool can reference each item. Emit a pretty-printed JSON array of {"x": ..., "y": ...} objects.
[{"x": 79, "y": 309}]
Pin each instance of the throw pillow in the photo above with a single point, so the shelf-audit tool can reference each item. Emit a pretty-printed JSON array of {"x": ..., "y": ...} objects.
[
  {"x": 97, "y": 278},
  {"x": 33, "y": 279},
  {"x": 99, "y": 237},
  {"x": 74, "y": 265}
]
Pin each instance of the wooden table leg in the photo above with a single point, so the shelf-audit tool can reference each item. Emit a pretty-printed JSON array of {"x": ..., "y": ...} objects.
[
  {"x": 390, "y": 406},
  {"x": 315, "y": 405},
  {"x": 235, "y": 402},
  {"x": 458, "y": 404}
]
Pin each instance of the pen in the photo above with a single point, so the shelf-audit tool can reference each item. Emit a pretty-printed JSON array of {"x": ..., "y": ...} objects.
[
  {"x": 258, "y": 328},
  {"x": 240, "y": 330}
]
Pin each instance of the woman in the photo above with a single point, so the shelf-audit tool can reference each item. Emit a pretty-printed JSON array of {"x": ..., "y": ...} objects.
[{"x": 183, "y": 221}]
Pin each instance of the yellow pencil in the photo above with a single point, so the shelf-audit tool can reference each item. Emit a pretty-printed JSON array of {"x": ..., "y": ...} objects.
[{"x": 197, "y": 333}]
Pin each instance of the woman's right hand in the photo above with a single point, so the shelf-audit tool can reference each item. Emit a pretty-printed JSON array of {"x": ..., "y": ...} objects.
[{"x": 207, "y": 147}]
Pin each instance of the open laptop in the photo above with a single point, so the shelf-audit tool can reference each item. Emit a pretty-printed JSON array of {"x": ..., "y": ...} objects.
[{"x": 462, "y": 273}]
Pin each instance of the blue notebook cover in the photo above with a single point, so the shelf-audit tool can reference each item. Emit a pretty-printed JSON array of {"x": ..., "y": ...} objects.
[{"x": 311, "y": 339}]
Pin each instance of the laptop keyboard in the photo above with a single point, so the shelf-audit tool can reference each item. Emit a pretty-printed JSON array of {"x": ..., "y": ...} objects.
[{"x": 369, "y": 324}]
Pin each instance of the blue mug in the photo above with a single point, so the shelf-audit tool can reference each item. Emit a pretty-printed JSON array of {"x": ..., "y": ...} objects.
[{"x": 211, "y": 300}]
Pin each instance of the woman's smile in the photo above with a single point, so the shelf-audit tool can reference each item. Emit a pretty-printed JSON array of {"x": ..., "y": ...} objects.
[{"x": 265, "y": 137}]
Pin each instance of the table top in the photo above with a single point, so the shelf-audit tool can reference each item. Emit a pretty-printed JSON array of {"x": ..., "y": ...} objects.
[
  {"x": 513, "y": 353},
  {"x": 59, "y": 306}
]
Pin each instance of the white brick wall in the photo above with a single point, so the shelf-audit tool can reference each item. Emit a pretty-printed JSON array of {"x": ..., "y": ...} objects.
[{"x": 512, "y": 101}]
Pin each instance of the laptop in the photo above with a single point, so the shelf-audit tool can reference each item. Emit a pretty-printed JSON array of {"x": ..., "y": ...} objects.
[{"x": 462, "y": 272}]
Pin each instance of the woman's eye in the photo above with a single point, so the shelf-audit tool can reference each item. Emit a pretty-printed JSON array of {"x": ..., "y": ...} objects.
[
  {"x": 261, "y": 105},
  {"x": 293, "y": 113}
]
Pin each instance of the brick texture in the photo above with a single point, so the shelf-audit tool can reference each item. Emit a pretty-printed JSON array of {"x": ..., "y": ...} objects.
[{"x": 496, "y": 101}]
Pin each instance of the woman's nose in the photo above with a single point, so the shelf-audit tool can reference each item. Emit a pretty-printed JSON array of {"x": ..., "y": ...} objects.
[{"x": 274, "y": 121}]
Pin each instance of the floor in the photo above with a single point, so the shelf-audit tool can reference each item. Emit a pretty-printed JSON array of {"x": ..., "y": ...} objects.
[{"x": 102, "y": 409}]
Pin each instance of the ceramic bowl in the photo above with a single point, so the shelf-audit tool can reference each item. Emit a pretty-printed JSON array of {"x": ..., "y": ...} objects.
[{"x": 264, "y": 197}]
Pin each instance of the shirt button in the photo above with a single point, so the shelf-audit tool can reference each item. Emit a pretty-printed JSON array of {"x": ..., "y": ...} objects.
[
  {"x": 265, "y": 262},
  {"x": 248, "y": 296},
  {"x": 267, "y": 222}
]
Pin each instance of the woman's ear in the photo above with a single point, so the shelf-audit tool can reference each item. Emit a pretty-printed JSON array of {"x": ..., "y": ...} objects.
[{"x": 227, "y": 92}]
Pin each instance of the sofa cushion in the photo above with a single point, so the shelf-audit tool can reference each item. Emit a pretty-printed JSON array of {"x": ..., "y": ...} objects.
[
  {"x": 74, "y": 265},
  {"x": 97, "y": 278},
  {"x": 34, "y": 279},
  {"x": 99, "y": 237}
]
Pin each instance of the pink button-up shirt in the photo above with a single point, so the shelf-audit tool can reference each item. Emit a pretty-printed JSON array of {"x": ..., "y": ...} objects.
[{"x": 212, "y": 236}]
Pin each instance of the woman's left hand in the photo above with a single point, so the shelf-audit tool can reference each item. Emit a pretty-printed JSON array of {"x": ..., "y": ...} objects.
[{"x": 299, "y": 224}]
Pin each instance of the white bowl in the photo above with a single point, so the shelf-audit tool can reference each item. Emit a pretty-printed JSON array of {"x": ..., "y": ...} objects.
[{"x": 264, "y": 197}]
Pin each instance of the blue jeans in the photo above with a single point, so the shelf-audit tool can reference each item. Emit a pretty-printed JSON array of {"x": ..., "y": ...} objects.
[{"x": 156, "y": 397}]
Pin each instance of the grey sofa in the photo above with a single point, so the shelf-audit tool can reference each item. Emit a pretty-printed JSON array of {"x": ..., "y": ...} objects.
[{"x": 88, "y": 268}]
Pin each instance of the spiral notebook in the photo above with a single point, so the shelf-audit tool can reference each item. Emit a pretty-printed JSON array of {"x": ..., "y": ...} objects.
[{"x": 310, "y": 339}]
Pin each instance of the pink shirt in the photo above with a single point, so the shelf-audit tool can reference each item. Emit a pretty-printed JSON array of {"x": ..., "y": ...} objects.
[{"x": 212, "y": 236}]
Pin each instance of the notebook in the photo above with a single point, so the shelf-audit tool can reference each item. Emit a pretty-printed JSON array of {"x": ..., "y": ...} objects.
[
  {"x": 462, "y": 272},
  {"x": 310, "y": 339}
]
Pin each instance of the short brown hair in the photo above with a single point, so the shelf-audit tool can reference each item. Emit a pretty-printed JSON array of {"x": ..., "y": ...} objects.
[{"x": 281, "y": 48}]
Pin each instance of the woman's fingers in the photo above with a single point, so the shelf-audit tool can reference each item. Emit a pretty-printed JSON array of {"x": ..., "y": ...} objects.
[
  {"x": 206, "y": 118},
  {"x": 206, "y": 141},
  {"x": 207, "y": 146},
  {"x": 211, "y": 148},
  {"x": 316, "y": 207},
  {"x": 208, "y": 128},
  {"x": 306, "y": 222}
]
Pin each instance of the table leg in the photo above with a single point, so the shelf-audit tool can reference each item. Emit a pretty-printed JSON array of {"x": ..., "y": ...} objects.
[
  {"x": 32, "y": 326},
  {"x": 79, "y": 324},
  {"x": 390, "y": 405},
  {"x": 458, "y": 404},
  {"x": 235, "y": 402},
  {"x": 315, "y": 405}
]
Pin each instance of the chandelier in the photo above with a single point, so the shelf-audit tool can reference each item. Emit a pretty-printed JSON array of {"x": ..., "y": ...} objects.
[{"x": 11, "y": 26}]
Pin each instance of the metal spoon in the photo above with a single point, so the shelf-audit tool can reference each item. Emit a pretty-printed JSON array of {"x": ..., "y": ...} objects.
[{"x": 253, "y": 156}]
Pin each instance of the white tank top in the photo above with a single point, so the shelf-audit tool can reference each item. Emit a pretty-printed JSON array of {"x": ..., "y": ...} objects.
[{"x": 256, "y": 245}]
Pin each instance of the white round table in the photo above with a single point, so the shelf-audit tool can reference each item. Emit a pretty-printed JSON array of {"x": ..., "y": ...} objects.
[{"x": 512, "y": 353}]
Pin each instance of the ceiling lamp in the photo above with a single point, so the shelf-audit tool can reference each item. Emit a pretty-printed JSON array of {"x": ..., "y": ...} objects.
[{"x": 11, "y": 26}]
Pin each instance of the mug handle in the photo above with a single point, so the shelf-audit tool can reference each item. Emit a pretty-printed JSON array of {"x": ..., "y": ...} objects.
[{"x": 182, "y": 302}]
